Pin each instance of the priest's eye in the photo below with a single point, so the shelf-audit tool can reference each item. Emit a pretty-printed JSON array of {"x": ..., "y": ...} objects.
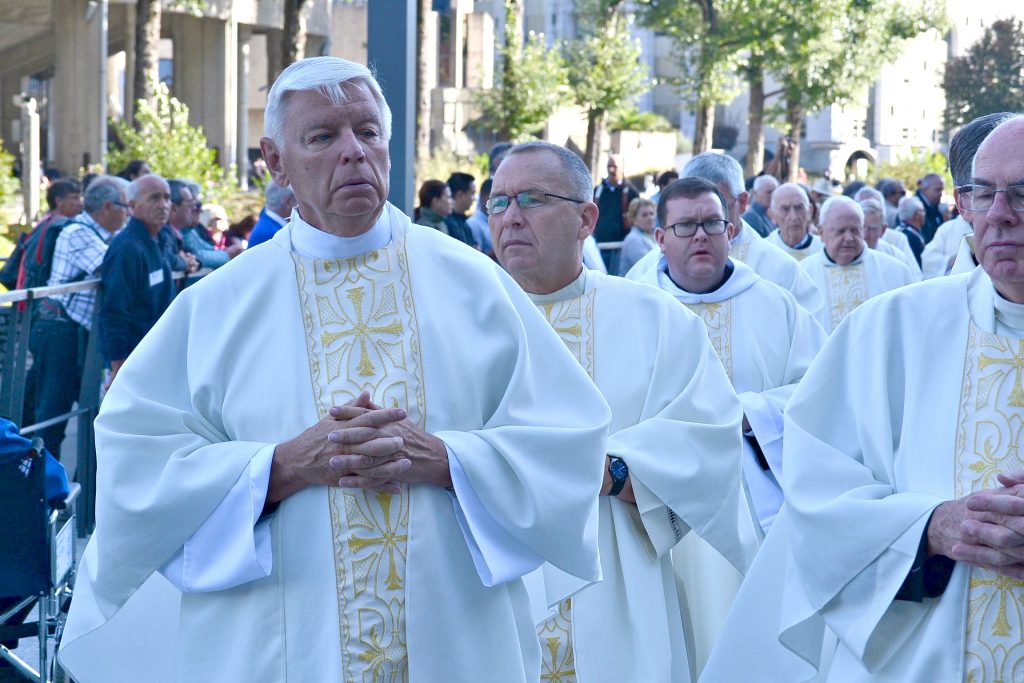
[
  {"x": 321, "y": 137},
  {"x": 370, "y": 134}
]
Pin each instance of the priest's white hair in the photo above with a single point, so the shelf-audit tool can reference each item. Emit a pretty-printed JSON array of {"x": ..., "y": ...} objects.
[
  {"x": 324, "y": 74},
  {"x": 720, "y": 169},
  {"x": 576, "y": 172},
  {"x": 839, "y": 200},
  {"x": 907, "y": 207},
  {"x": 872, "y": 206}
]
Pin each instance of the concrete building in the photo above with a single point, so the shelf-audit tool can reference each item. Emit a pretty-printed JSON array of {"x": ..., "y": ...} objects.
[{"x": 76, "y": 58}]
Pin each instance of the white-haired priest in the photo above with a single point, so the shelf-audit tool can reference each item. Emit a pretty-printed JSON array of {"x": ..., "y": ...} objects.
[
  {"x": 901, "y": 548},
  {"x": 364, "y": 505}
]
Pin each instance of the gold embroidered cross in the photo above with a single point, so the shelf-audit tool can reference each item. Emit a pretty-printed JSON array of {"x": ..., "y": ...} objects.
[
  {"x": 389, "y": 538},
  {"x": 1003, "y": 585},
  {"x": 572, "y": 330},
  {"x": 1016, "y": 361},
  {"x": 361, "y": 331}
]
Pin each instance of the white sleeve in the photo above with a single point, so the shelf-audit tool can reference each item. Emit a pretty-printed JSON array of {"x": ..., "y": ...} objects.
[
  {"x": 766, "y": 422},
  {"x": 497, "y": 555},
  {"x": 232, "y": 546}
]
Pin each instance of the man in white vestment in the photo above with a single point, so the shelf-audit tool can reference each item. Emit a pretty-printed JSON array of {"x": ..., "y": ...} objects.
[
  {"x": 672, "y": 459},
  {"x": 901, "y": 546},
  {"x": 941, "y": 253},
  {"x": 363, "y": 506},
  {"x": 874, "y": 235},
  {"x": 791, "y": 211},
  {"x": 765, "y": 340},
  {"x": 845, "y": 270},
  {"x": 747, "y": 246}
]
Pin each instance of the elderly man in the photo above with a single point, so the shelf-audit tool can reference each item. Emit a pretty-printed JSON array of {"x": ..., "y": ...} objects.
[
  {"x": 765, "y": 340},
  {"x": 756, "y": 215},
  {"x": 61, "y": 327},
  {"x": 137, "y": 284},
  {"x": 929, "y": 191},
  {"x": 893, "y": 191},
  {"x": 278, "y": 209},
  {"x": 765, "y": 259},
  {"x": 847, "y": 272},
  {"x": 791, "y": 211},
  {"x": 629, "y": 626},
  {"x": 891, "y": 242},
  {"x": 905, "y": 509},
  {"x": 940, "y": 254},
  {"x": 341, "y": 513},
  {"x": 911, "y": 215}
]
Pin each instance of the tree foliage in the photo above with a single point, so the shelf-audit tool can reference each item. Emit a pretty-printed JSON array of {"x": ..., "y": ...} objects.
[
  {"x": 8, "y": 183},
  {"x": 173, "y": 148},
  {"x": 530, "y": 84},
  {"x": 989, "y": 78},
  {"x": 912, "y": 168},
  {"x": 603, "y": 67}
]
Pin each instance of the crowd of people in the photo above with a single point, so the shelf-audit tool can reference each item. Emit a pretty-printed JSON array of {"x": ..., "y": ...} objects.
[
  {"x": 134, "y": 230},
  {"x": 739, "y": 430}
]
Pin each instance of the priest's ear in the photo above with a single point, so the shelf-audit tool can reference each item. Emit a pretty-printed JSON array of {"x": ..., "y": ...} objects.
[
  {"x": 588, "y": 220},
  {"x": 272, "y": 155},
  {"x": 730, "y": 231}
]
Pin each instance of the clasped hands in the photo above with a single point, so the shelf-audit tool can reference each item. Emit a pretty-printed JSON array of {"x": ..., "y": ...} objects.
[
  {"x": 985, "y": 528},
  {"x": 359, "y": 445}
]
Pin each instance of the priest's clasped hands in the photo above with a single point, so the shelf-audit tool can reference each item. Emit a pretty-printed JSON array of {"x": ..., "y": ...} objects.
[
  {"x": 985, "y": 528},
  {"x": 359, "y": 445}
]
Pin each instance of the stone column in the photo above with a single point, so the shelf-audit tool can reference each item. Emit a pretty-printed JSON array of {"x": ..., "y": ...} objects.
[
  {"x": 10, "y": 114},
  {"x": 242, "y": 155},
  {"x": 78, "y": 87},
  {"x": 479, "y": 50},
  {"x": 275, "y": 53},
  {"x": 206, "y": 78}
]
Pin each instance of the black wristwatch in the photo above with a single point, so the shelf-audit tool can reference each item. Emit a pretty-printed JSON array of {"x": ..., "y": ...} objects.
[{"x": 619, "y": 473}]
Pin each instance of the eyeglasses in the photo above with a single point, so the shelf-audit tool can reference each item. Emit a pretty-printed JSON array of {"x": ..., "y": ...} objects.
[
  {"x": 121, "y": 204},
  {"x": 981, "y": 197},
  {"x": 499, "y": 203},
  {"x": 715, "y": 226}
]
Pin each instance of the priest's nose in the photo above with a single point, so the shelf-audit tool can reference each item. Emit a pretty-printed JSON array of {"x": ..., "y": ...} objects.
[{"x": 351, "y": 148}]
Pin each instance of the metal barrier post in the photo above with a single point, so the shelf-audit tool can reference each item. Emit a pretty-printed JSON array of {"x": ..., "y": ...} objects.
[{"x": 89, "y": 401}]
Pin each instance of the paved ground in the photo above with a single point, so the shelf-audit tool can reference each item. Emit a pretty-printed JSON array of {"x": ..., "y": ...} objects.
[{"x": 28, "y": 648}]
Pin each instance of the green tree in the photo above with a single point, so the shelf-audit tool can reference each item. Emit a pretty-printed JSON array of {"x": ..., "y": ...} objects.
[
  {"x": 707, "y": 50},
  {"x": 989, "y": 78},
  {"x": 8, "y": 183},
  {"x": 174, "y": 149},
  {"x": 604, "y": 70},
  {"x": 531, "y": 84},
  {"x": 851, "y": 41}
]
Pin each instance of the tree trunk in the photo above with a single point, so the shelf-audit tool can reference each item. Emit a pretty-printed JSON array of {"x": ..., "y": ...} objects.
[
  {"x": 595, "y": 131},
  {"x": 422, "y": 91},
  {"x": 704, "y": 128},
  {"x": 293, "y": 37},
  {"x": 795, "y": 123},
  {"x": 755, "y": 124},
  {"x": 147, "y": 51},
  {"x": 513, "y": 48}
]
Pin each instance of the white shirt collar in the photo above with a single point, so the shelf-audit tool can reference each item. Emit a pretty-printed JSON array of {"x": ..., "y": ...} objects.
[
  {"x": 742, "y": 279},
  {"x": 574, "y": 289},
  {"x": 313, "y": 242}
]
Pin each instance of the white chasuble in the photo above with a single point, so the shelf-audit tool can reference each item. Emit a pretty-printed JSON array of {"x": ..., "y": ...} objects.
[
  {"x": 810, "y": 245},
  {"x": 847, "y": 287},
  {"x": 675, "y": 422},
  {"x": 766, "y": 259},
  {"x": 419, "y": 586},
  {"x": 362, "y": 334},
  {"x": 766, "y": 342},
  {"x": 820, "y": 602},
  {"x": 989, "y": 430}
]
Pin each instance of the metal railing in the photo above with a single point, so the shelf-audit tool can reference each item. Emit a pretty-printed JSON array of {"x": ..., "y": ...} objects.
[{"x": 18, "y": 305}]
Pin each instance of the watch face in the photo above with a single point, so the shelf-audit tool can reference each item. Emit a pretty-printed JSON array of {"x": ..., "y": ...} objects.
[{"x": 618, "y": 470}]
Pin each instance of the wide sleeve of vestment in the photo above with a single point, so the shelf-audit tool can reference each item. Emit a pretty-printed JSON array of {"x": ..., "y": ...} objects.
[
  {"x": 683, "y": 451},
  {"x": 858, "y": 427}
]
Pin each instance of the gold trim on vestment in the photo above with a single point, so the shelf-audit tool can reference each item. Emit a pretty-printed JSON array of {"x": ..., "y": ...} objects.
[
  {"x": 847, "y": 289},
  {"x": 738, "y": 251},
  {"x": 573, "y": 321},
  {"x": 717, "y": 318},
  {"x": 362, "y": 334},
  {"x": 989, "y": 429}
]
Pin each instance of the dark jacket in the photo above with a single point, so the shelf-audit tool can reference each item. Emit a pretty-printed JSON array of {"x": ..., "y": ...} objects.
[{"x": 137, "y": 289}]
